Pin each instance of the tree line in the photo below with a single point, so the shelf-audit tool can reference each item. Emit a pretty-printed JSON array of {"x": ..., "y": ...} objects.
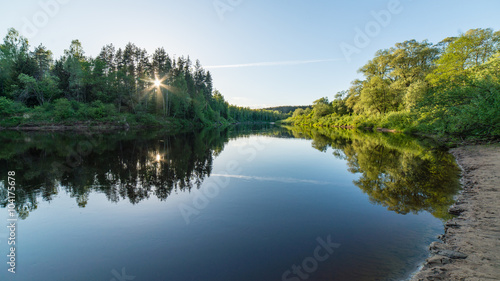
[
  {"x": 117, "y": 82},
  {"x": 287, "y": 109},
  {"x": 452, "y": 87}
]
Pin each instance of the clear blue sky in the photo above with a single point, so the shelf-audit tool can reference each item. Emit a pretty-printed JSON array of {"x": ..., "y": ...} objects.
[{"x": 285, "y": 52}]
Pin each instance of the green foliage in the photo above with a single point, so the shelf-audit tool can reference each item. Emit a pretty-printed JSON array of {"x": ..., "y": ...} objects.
[
  {"x": 287, "y": 109},
  {"x": 37, "y": 92},
  {"x": 469, "y": 50},
  {"x": 99, "y": 110},
  {"x": 63, "y": 109},
  {"x": 11, "y": 112},
  {"x": 377, "y": 96},
  {"x": 146, "y": 119},
  {"x": 298, "y": 112},
  {"x": 110, "y": 87},
  {"x": 10, "y": 108},
  {"x": 401, "y": 120},
  {"x": 322, "y": 107},
  {"x": 471, "y": 108},
  {"x": 390, "y": 75},
  {"x": 452, "y": 88}
]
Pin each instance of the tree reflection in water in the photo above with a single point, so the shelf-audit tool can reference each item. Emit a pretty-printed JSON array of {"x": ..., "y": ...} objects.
[{"x": 395, "y": 171}]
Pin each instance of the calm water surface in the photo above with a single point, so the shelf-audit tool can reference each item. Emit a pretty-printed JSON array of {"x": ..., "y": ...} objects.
[{"x": 232, "y": 204}]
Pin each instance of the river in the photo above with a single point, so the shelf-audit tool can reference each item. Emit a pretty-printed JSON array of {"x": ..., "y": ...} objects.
[{"x": 241, "y": 203}]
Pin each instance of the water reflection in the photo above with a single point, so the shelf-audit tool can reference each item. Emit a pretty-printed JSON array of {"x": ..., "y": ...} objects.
[
  {"x": 266, "y": 221},
  {"x": 131, "y": 166},
  {"x": 398, "y": 172}
]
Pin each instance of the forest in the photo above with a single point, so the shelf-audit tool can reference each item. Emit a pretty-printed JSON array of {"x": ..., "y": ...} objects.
[
  {"x": 120, "y": 86},
  {"x": 287, "y": 109},
  {"x": 451, "y": 89}
]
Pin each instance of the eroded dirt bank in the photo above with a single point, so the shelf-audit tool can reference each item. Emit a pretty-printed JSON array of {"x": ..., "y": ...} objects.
[{"x": 470, "y": 247}]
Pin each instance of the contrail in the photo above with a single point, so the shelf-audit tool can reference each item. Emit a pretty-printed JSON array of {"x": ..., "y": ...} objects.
[
  {"x": 278, "y": 179},
  {"x": 272, "y": 63}
]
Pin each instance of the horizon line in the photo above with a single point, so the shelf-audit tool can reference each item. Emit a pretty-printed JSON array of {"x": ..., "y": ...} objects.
[{"x": 275, "y": 63}]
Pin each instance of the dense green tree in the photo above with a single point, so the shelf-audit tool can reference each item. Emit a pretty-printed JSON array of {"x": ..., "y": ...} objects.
[
  {"x": 377, "y": 96},
  {"x": 128, "y": 80},
  {"x": 322, "y": 107},
  {"x": 43, "y": 58},
  {"x": 15, "y": 59},
  {"x": 339, "y": 104},
  {"x": 298, "y": 112},
  {"x": 460, "y": 54},
  {"x": 448, "y": 88},
  {"x": 72, "y": 72},
  {"x": 42, "y": 91},
  {"x": 391, "y": 73},
  {"x": 353, "y": 96}
]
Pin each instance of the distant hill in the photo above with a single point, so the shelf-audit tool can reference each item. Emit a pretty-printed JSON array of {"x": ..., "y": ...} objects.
[{"x": 287, "y": 108}]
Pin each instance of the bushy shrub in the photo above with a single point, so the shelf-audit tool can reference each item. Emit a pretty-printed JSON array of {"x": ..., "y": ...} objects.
[
  {"x": 146, "y": 119},
  {"x": 397, "y": 120},
  {"x": 9, "y": 108},
  {"x": 63, "y": 109},
  {"x": 43, "y": 113},
  {"x": 98, "y": 110}
]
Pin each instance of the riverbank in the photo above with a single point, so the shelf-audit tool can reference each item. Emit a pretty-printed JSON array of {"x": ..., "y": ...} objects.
[
  {"x": 97, "y": 126},
  {"x": 86, "y": 126},
  {"x": 113, "y": 125},
  {"x": 470, "y": 247}
]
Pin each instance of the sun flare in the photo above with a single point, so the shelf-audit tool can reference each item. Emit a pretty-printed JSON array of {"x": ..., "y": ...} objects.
[{"x": 157, "y": 83}]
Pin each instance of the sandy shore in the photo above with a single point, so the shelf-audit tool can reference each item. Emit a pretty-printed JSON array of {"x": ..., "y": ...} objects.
[{"x": 470, "y": 248}]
